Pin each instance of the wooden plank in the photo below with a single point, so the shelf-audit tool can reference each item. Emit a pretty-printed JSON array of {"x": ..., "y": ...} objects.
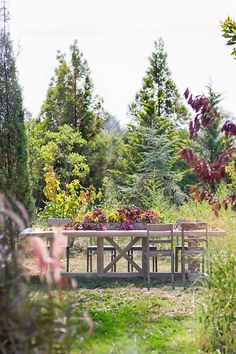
[
  {"x": 111, "y": 233},
  {"x": 160, "y": 227},
  {"x": 119, "y": 275},
  {"x": 100, "y": 255},
  {"x": 58, "y": 222}
]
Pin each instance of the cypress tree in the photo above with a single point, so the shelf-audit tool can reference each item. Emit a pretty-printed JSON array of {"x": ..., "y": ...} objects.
[{"x": 14, "y": 174}]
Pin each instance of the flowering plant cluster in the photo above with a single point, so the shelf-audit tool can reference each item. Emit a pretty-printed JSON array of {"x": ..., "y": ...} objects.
[
  {"x": 115, "y": 217},
  {"x": 126, "y": 217},
  {"x": 97, "y": 216},
  {"x": 133, "y": 215},
  {"x": 150, "y": 216}
]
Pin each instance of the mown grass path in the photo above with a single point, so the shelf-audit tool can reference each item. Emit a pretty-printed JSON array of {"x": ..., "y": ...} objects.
[{"x": 129, "y": 318}]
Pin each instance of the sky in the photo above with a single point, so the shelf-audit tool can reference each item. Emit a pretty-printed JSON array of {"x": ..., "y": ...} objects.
[{"x": 117, "y": 37}]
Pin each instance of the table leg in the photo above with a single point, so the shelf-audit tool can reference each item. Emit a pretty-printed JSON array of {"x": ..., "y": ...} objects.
[
  {"x": 145, "y": 256},
  {"x": 100, "y": 255}
]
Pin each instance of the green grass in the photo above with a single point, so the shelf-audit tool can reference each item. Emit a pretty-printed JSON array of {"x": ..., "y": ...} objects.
[{"x": 129, "y": 318}]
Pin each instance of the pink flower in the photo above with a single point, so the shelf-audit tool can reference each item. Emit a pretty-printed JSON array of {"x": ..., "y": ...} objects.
[
  {"x": 58, "y": 247},
  {"x": 40, "y": 251}
]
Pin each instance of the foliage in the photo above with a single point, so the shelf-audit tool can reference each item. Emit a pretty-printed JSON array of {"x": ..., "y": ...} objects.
[
  {"x": 104, "y": 156},
  {"x": 159, "y": 96},
  {"x": 229, "y": 31},
  {"x": 155, "y": 134},
  {"x": 70, "y": 98},
  {"x": 209, "y": 175},
  {"x": 156, "y": 111},
  {"x": 160, "y": 163},
  {"x": 219, "y": 307},
  {"x": 67, "y": 203},
  {"x": 97, "y": 216},
  {"x": 14, "y": 174},
  {"x": 29, "y": 325},
  {"x": 230, "y": 170},
  {"x": 211, "y": 142},
  {"x": 131, "y": 215},
  {"x": 58, "y": 167},
  {"x": 112, "y": 196},
  {"x": 115, "y": 217}
]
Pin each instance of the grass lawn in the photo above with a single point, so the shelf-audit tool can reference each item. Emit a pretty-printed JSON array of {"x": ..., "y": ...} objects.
[{"x": 129, "y": 318}]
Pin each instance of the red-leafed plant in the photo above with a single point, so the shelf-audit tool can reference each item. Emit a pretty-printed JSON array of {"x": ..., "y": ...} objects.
[{"x": 208, "y": 174}]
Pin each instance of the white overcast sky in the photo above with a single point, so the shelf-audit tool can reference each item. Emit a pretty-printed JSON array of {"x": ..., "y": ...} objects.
[{"x": 116, "y": 37}]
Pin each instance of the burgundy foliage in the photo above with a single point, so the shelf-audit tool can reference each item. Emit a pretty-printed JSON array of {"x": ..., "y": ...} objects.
[
  {"x": 206, "y": 173},
  {"x": 205, "y": 113},
  {"x": 229, "y": 128}
]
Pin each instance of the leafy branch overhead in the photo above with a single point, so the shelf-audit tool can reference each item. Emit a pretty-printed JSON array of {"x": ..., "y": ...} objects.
[{"x": 229, "y": 32}]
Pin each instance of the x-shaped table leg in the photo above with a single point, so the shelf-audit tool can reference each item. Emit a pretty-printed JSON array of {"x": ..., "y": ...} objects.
[{"x": 123, "y": 253}]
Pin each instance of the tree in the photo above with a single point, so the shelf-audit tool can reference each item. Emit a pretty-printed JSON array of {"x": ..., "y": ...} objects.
[
  {"x": 14, "y": 175},
  {"x": 158, "y": 107},
  {"x": 209, "y": 175},
  {"x": 211, "y": 141},
  {"x": 70, "y": 98},
  {"x": 159, "y": 96},
  {"x": 159, "y": 160}
]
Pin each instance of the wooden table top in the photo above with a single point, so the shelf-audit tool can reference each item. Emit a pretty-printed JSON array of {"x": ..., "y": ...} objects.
[{"x": 112, "y": 233}]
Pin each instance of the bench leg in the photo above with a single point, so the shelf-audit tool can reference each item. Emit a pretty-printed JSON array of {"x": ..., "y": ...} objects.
[
  {"x": 113, "y": 256},
  {"x": 67, "y": 258},
  {"x": 176, "y": 260},
  {"x": 128, "y": 262},
  {"x": 89, "y": 261},
  {"x": 172, "y": 271},
  {"x": 183, "y": 269},
  {"x": 132, "y": 257}
]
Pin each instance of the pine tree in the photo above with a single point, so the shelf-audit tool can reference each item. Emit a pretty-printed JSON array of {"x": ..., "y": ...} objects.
[
  {"x": 14, "y": 175},
  {"x": 159, "y": 96},
  {"x": 211, "y": 141},
  {"x": 70, "y": 98}
]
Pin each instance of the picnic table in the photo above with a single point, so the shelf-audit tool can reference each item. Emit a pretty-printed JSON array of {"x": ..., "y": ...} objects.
[{"x": 132, "y": 237}]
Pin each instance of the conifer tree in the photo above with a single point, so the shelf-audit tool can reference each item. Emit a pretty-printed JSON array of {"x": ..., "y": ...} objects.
[
  {"x": 211, "y": 141},
  {"x": 14, "y": 175},
  {"x": 159, "y": 96},
  {"x": 157, "y": 113},
  {"x": 70, "y": 98}
]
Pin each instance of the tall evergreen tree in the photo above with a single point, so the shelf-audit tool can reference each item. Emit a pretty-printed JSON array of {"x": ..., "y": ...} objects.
[
  {"x": 157, "y": 113},
  {"x": 211, "y": 141},
  {"x": 70, "y": 98},
  {"x": 14, "y": 175},
  {"x": 159, "y": 96}
]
